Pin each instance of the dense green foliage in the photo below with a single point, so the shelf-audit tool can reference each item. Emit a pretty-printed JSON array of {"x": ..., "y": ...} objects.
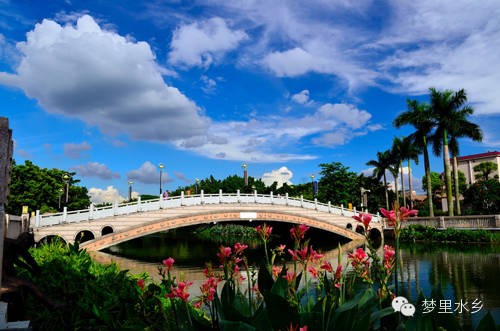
[
  {"x": 231, "y": 233},
  {"x": 420, "y": 232},
  {"x": 94, "y": 296},
  {"x": 483, "y": 197},
  {"x": 38, "y": 188}
]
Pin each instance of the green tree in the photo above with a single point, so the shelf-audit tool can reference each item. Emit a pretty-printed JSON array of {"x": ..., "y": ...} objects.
[
  {"x": 436, "y": 183},
  {"x": 484, "y": 169},
  {"x": 450, "y": 115},
  {"x": 38, "y": 188},
  {"x": 381, "y": 165},
  {"x": 420, "y": 117},
  {"x": 337, "y": 184}
]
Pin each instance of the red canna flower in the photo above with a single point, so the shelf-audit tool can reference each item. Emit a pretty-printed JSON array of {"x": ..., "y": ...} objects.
[
  {"x": 276, "y": 270},
  {"x": 364, "y": 218},
  {"x": 168, "y": 263},
  {"x": 290, "y": 277},
  {"x": 313, "y": 271},
  {"x": 140, "y": 283},
  {"x": 239, "y": 248},
  {"x": 180, "y": 291},
  {"x": 327, "y": 266},
  {"x": 298, "y": 232},
  {"x": 264, "y": 231},
  {"x": 390, "y": 216}
]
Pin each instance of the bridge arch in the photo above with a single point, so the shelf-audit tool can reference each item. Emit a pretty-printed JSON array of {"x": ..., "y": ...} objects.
[
  {"x": 50, "y": 238},
  {"x": 107, "y": 229},
  {"x": 167, "y": 223},
  {"x": 84, "y": 236},
  {"x": 349, "y": 226}
]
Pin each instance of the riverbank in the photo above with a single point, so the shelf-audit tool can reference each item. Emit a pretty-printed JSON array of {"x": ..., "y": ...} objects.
[{"x": 414, "y": 233}]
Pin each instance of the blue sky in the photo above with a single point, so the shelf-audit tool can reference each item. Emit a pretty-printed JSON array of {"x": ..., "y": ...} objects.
[{"x": 111, "y": 89}]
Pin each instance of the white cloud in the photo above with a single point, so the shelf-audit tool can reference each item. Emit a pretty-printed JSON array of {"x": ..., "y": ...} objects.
[
  {"x": 148, "y": 174},
  {"x": 210, "y": 85},
  {"x": 204, "y": 42},
  {"x": 263, "y": 139},
  {"x": 103, "y": 79},
  {"x": 345, "y": 113},
  {"x": 74, "y": 151},
  {"x": 109, "y": 195},
  {"x": 302, "y": 97},
  {"x": 281, "y": 176},
  {"x": 95, "y": 169}
]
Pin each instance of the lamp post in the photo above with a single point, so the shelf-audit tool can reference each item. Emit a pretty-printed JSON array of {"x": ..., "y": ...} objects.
[
  {"x": 161, "y": 166},
  {"x": 364, "y": 198},
  {"x": 245, "y": 173},
  {"x": 312, "y": 182},
  {"x": 196, "y": 186},
  {"x": 130, "y": 190},
  {"x": 66, "y": 178},
  {"x": 61, "y": 190}
]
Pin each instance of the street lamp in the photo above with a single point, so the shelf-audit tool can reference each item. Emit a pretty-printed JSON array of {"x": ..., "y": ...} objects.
[
  {"x": 66, "y": 178},
  {"x": 364, "y": 198},
  {"x": 312, "y": 182},
  {"x": 130, "y": 190},
  {"x": 61, "y": 190},
  {"x": 161, "y": 170},
  {"x": 196, "y": 186},
  {"x": 245, "y": 173}
]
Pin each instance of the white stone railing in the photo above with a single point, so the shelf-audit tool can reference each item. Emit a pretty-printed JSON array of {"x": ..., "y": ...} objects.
[{"x": 116, "y": 209}]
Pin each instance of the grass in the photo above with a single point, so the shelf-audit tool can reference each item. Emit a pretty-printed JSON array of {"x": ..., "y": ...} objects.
[{"x": 417, "y": 232}]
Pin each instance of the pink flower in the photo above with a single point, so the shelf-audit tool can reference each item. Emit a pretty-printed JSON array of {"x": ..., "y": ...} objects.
[
  {"x": 337, "y": 285},
  {"x": 390, "y": 216},
  {"x": 276, "y": 270},
  {"x": 180, "y": 291},
  {"x": 298, "y": 233},
  {"x": 304, "y": 328},
  {"x": 236, "y": 269},
  {"x": 313, "y": 272},
  {"x": 140, "y": 283},
  {"x": 280, "y": 249},
  {"x": 360, "y": 254},
  {"x": 239, "y": 248},
  {"x": 293, "y": 254},
  {"x": 264, "y": 231},
  {"x": 364, "y": 218},
  {"x": 290, "y": 277},
  {"x": 327, "y": 266},
  {"x": 405, "y": 212},
  {"x": 338, "y": 271},
  {"x": 315, "y": 256},
  {"x": 168, "y": 263},
  {"x": 224, "y": 253}
]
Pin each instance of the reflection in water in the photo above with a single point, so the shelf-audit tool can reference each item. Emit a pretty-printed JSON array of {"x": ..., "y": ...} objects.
[{"x": 464, "y": 272}]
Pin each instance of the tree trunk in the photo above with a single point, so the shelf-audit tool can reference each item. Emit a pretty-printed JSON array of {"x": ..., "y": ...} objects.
[
  {"x": 403, "y": 184},
  {"x": 386, "y": 194},
  {"x": 457, "y": 186},
  {"x": 447, "y": 174},
  {"x": 428, "y": 176},
  {"x": 397, "y": 190},
  {"x": 410, "y": 185}
]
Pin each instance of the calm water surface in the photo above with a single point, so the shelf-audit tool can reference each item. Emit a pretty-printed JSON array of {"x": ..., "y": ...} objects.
[{"x": 464, "y": 272}]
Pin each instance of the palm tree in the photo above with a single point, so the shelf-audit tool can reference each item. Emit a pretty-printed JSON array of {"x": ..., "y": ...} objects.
[
  {"x": 419, "y": 115},
  {"x": 450, "y": 117},
  {"x": 411, "y": 153},
  {"x": 381, "y": 166},
  {"x": 399, "y": 146},
  {"x": 461, "y": 128}
]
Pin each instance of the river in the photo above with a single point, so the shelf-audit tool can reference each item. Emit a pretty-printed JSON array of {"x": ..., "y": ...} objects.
[{"x": 464, "y": 272}]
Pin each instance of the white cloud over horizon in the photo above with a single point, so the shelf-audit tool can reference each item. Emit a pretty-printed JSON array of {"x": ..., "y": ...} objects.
[
  {"x": 109, "y": 195},
  {"x": 281, "y": 176}
]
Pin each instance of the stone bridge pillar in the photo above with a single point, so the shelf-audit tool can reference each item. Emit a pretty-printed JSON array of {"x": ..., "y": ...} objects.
[{"x": 497, "y": 221}]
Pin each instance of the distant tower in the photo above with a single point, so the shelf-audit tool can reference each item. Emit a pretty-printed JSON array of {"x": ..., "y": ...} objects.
[{"x": 245, "y": 173}]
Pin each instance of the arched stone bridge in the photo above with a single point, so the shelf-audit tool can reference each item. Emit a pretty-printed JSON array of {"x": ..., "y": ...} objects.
[{"x": 107, "y": 226}]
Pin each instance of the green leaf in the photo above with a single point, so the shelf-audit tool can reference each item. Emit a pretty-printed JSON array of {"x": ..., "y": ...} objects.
[
  {"x": 487, "y": 323},
  {"x": 265, "y": 280},
  {"x": 281, "y": 313},
  {"x": 235, "y": 326}
]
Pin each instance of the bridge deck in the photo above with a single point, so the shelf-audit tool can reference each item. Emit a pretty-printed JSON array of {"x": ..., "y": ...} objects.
[{"x": 134, "y": 220}]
